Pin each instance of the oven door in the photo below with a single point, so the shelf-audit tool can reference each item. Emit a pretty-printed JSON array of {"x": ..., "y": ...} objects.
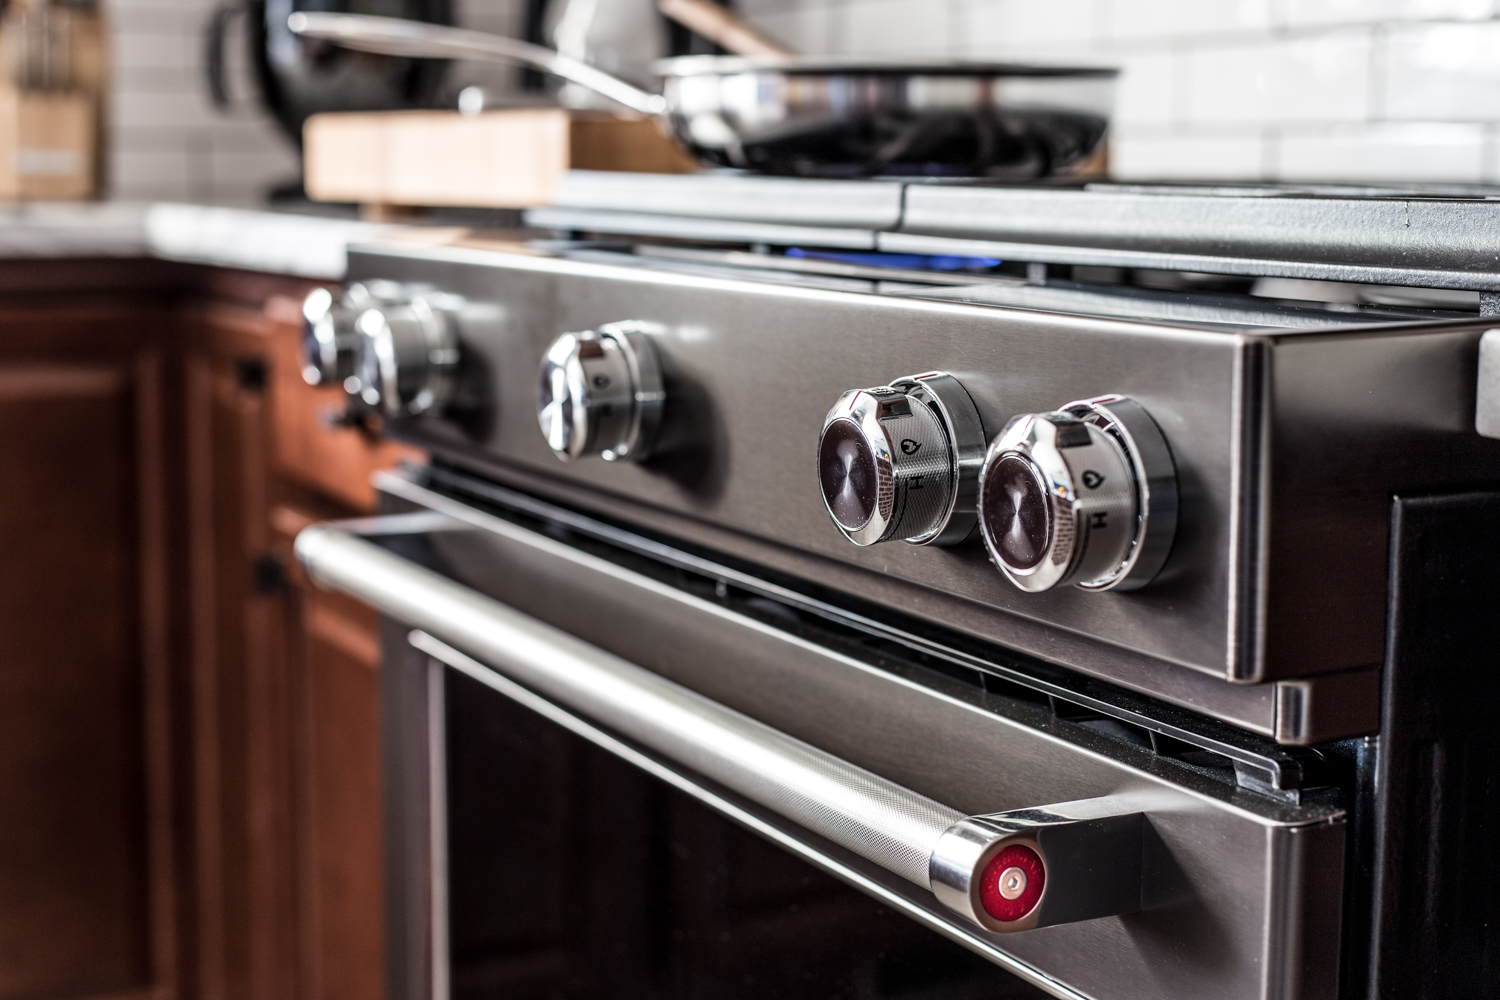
[{"x": 583, "y": 725}]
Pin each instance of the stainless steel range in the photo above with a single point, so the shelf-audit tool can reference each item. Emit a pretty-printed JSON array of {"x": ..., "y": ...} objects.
[{"x": 1093, "y": 579}]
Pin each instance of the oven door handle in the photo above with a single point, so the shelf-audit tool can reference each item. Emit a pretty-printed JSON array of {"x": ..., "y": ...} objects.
[{"x": 1006, "y": 871}]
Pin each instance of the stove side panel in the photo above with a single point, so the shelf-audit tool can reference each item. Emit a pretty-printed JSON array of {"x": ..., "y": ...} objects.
[{"x": 1354, "y": 420}]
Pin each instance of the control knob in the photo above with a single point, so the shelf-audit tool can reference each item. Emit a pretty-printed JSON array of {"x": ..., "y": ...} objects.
[
  {"x": 1085, "y": 495},
  {"x": 406, "y": 354},
  {"x": 328, "y": 333},
  {"x": 600, "y": 393},
  {"x": 902, "y": 461},
  {"x": 392, "y": 348}
]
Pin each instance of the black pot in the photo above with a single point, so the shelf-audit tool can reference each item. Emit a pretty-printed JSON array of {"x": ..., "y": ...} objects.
[{"x": 298, "y": 77}]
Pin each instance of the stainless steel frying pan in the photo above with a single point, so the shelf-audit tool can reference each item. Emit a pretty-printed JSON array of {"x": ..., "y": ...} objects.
[{"x": 807, "y": 117}]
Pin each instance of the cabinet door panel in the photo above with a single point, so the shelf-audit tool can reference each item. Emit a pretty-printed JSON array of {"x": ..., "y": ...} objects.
[
  {"x": 344, "y": 841},
  {"x": 189, "y": 758},
  {"x": 241, "y": 688},
  {"x": 286, "y": 677},
  {"x": 77, "y": 789}
]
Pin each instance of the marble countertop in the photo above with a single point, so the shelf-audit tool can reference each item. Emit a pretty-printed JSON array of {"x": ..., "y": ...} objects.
[{"x": 279, "y": 242}]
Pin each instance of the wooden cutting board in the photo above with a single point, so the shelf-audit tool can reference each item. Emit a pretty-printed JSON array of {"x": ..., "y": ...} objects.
[{"x": 510, "y": 158}]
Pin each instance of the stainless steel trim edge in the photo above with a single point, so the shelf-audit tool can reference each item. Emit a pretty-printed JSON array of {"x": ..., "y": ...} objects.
[
  {"x": 1250, "y": 473},
  {"x": 1437, "y": 277},
  {"x": 1296, "y": 723},
  {"x": 682, "y": 227}
]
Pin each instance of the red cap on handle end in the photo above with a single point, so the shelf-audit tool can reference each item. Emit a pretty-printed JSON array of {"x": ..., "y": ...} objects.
[{"x": 1012, "y": 883}]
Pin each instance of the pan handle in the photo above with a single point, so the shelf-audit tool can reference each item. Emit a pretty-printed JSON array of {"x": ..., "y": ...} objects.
[
  {"x": 721, "y": 26},
  {"x": 394, "y": 36},
  {"x": 1005, "y": 872}
]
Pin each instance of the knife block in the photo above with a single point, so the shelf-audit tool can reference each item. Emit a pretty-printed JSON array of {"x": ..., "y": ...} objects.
[
  {"x": 510, "y": 158},
  {"x": 47, "y": 149}
]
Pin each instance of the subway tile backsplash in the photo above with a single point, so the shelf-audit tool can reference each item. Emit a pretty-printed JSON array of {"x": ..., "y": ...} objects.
[
  {"x": 1455, "y": 67},
  {"x": 924, "y": 29},
  {"x": 1290, "y": 90},
  {"x": 166, "y": 140},
  {"x": 1317, "y": 13},
  {"x": 1127, "y": 20},
  {"x": 1294, "y": 90},
  {"x": 1319, "y": 78},
  {"x": 1012, "y": 24},
  {"x": 1382, "y": 151},
  {"x": 1200, "y": 157}
]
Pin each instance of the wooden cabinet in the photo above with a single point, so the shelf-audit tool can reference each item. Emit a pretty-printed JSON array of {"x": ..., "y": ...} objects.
[
  {"x": 286, "y": 675},
  {"x": 242, "y": 735},
  {"x": 90, "y": 884},
  {"x": 190, "y": 800},
  {"x": 341, "y": 836}
]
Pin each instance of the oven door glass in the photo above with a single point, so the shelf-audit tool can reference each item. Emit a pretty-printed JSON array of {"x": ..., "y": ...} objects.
[{"x": 573, "y": 873}]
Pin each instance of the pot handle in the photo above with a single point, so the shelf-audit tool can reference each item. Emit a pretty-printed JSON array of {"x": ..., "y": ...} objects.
[
  {"x": 720, "y": 26},
  {"x": 394, "y": 36},
  {"x": 1005, "y": 872}
]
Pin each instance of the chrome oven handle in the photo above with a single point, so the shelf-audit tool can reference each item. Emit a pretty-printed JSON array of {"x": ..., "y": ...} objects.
[{"x": 995, "y": 870}]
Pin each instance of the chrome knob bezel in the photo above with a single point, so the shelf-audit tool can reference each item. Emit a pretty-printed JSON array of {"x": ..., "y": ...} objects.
[
  {"x": 966, "y": 448},
  {"x": 407, "y": 355},
  {"x": 1155, "y": 475},
  {"x": 329, "y": 337},
  {"x": 931, "y": 405},
  {"x": 600, "y": 392},
  {"x": 1110, "y": 494}
]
